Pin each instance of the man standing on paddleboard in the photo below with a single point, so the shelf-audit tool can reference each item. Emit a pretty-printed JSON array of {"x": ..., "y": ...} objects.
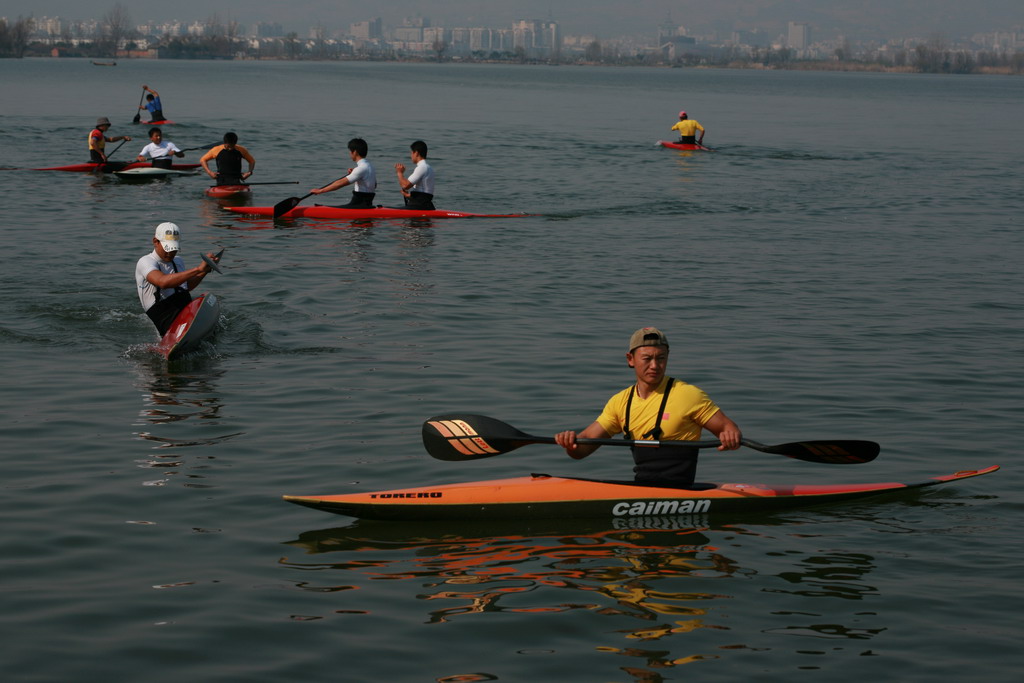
[
  {"x": 98, "y": 140},
  {"x": 153, "y": 105},
  {"x": 688, "y": 128},
  {"x": 418, "y": 188},
  {"x": 362, "y": 178},
  {"x": 656, "y": 408},
  {"x": 229, "y": 158},
  {"x": 163, "y": 282},
  {"x": 159, "y": 150}
]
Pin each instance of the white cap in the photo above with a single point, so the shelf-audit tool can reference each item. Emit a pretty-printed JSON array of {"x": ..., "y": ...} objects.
[{"x": 169, "y": 235}]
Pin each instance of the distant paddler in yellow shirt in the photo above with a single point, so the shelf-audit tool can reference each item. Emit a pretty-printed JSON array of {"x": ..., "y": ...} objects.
[{"x": 688, "y": 128}]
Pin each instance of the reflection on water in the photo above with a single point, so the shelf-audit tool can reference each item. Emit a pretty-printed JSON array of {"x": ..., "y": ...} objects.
[
  {"x": 834, "y": 575},
  {"x": 181, "y": 391},
  {"x": 178, "y": 391},
  {"x": 610, "y": 572},
  {"x": 652, "y": 582}
]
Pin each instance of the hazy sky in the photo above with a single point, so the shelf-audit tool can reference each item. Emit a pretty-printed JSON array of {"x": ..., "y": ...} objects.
[{"x": 604, "y": 18}]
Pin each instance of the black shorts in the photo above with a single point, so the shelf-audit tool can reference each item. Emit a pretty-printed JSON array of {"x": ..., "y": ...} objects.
[
  {"x": 360, "y": 200},
  {"x": 420, "y": 201},
  {"x": 163, "y": 312}
]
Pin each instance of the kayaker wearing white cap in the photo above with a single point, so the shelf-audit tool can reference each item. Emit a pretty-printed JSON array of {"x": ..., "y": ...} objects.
[
  {"x": 656, "y": 408},
  {"x": 98, "y": 140},
  {"x": 688, "y": 128},
  {"x": 163, "y": 282}
]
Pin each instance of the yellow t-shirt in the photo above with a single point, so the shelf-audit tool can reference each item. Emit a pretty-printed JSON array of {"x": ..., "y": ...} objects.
[
  {"x": 687, "y": 128},
  {"x": 687, "y": 411}
]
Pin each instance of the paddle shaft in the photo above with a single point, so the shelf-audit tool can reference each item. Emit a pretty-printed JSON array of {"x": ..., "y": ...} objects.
[
  {"x": 209, "y": 146},
  {"x": 710, "y": 443},
  {"x": 115, "y": 149},
  {"x": 138, "y": 109},
  {"x": 279, "y": 182},
  {"x": 283, "y": 207},
  {"x": 630, "y": 442},
  {"x": 103, "y": 166}
]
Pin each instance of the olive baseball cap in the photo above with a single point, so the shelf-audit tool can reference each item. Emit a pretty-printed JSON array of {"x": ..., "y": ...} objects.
[{"x": 647, "y": 336}]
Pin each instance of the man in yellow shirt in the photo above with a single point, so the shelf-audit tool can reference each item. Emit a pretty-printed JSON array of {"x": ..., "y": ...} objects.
[
  {"x": 688, "y": 128},
  {"x": 656, "y": 408}
]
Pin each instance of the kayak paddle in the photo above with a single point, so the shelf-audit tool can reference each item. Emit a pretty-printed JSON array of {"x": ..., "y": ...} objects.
[
  {"x": 283, "y": 207},
  {"x": 472, "y": 437},
  {"x": 108, "y": 166},
  {"x": 209, "y": 146},
  {"x": 138, "y": 109},
  {"x": 279, "y": 182},
  {"x": 213, "y": 263}
]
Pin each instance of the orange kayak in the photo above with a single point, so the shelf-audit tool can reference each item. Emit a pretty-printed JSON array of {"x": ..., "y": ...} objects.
[{"x": 545, "y": 496}]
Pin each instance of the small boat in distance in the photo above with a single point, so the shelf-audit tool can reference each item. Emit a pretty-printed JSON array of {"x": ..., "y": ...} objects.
[{"x": 104, "y": 63}]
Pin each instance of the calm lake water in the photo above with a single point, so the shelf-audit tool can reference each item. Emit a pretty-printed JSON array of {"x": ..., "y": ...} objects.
[{"x": 847, "y": 264}]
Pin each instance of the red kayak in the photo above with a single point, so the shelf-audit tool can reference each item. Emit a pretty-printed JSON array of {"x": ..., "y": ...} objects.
[
  {"x": 683, "y": 145},
  {"x": 225, "y": 191},
  {"x": 192, "y": 325},
  {"x": 544, "y": 496},
  {"x": 155, "y": 123},
  {"x": 112, "y": 166},
  {"x": 318, "y": 211}
]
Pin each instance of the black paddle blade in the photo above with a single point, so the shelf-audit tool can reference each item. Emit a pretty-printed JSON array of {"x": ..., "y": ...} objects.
[
  {"x": 471, "y": 437},
  {"x": 283, "y": 207},
  {"x": 841, "y": 452},
  {"x": 213, "y": 262}
]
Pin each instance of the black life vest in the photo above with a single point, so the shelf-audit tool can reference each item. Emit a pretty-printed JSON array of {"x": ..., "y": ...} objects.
[
  {"x": 661, "y": 465},
  {"x": 164, "y": 311},
  {"x": 229, "y": 163}
]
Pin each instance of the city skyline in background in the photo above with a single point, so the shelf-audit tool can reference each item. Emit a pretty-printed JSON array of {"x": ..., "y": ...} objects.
[{"x": 869, "y": 20}]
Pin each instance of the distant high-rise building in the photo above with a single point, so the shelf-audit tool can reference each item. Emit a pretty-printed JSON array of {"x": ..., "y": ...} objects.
[
  {"x": 537, "y": 38},
  {"x": 367, "y": 30},
  {"x": 51, "y": 26},
  {"x": 799, "y": 35}
]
